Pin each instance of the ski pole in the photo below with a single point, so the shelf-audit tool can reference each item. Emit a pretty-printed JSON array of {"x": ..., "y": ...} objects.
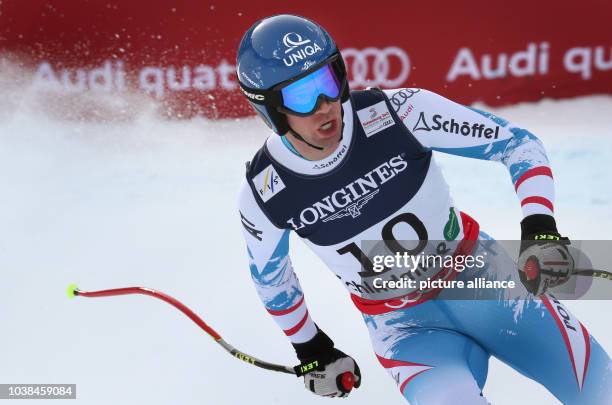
[
  {"x": 347, "y": 379},
  {"x": 584, "y": 273},
  {"x": 73, "y": 291},
  {"x": 593, "y": 273}
]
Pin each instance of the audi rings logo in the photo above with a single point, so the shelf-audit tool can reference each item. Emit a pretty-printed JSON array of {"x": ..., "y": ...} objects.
[{"x": 388, "y": 67}]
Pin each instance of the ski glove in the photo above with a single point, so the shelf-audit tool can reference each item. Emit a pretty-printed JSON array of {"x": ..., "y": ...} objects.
[
  {"x": 327, "y": 371},
  {"x": 544, "y": 261}
]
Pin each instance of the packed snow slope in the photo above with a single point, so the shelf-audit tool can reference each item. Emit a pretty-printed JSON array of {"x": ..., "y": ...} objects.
[{"x": 151, "y": 202}]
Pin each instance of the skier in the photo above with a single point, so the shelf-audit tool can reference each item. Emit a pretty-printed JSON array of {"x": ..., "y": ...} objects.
[{"x": 349, "y": 166}]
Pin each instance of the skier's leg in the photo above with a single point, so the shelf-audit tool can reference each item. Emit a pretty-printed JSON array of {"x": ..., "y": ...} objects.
[
  {"x": 435, "y": 366},
  {"x": 539, "y": 338},
  {"x": 548, "y": 344}
]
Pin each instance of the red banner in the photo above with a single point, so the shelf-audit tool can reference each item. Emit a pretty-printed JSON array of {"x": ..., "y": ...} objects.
[{"x": 182, "y": 53}]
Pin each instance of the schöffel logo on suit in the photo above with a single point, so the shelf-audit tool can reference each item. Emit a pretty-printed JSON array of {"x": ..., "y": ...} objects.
[
  {"x": 332, "y": 160},
  {"x": 268, "y": 183},
  {"x": 350, "y": 200},
  {"x": 476, "y": 130}
]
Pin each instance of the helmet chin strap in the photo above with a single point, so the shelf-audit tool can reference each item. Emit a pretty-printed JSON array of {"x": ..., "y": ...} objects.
[{"x": 300, "y": 138}]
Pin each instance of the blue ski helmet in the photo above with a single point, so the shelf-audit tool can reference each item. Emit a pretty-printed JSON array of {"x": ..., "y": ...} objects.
[{"x": 289, "y": 64}]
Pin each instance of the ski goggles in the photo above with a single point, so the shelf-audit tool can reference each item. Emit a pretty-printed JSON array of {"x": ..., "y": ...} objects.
[{"x": 303, "y": 94}]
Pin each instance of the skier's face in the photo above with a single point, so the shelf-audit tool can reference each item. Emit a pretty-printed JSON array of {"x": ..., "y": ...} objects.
[{"x": 323, "y": 128}]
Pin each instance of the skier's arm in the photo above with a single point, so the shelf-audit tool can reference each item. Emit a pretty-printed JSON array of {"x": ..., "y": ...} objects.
[
  {"x": 445, "y": 126},
  {"x": 271, "y": 270},
  {"x": 278, "y": 287}
]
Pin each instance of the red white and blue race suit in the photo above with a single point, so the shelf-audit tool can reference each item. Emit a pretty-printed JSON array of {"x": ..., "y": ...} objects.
[{"x": 382, "y": 182}]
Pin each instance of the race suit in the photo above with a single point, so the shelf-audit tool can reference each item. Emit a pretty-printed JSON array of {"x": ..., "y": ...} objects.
[{"x": 382, "y": 182}]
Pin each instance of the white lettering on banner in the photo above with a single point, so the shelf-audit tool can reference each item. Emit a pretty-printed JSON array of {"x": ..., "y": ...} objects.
[
  {"x": 111, "y": 76},
  {"x": 580, "y": 60},
  {"x": 358, "y": 64},
  {"x": 387, "y": 67},
  {"x": 151, "y": 79},
  {"x": 205, "y": 78},
  {"x": 226, "y": 72},
  {"x": 174, "y": 84},
  {"x": 101, "y": 79},
  {"x": 532, "y": 61}
]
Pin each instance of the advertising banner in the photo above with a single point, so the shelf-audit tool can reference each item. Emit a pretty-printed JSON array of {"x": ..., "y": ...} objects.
[{"x": 182, "y": 53}]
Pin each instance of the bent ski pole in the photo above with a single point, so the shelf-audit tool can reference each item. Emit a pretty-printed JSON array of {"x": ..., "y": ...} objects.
[
  {"x": 73, "y": 291},
  {"x": 347, "y": 379}
]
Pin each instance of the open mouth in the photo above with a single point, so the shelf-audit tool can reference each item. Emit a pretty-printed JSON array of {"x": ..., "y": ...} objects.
[{"x": 328, "y": 128}]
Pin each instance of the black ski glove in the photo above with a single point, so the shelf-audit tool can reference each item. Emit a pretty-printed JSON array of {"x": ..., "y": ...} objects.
[
  {"x": 327, "y": 371},
  {"x": 544, "y": 259}
]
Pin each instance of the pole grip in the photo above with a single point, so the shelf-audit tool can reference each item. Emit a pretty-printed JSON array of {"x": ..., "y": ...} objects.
[{"x": 346, "y": 382}]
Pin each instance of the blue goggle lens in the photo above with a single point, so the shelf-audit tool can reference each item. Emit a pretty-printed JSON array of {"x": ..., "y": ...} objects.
[{"x": 301, "y": 96}]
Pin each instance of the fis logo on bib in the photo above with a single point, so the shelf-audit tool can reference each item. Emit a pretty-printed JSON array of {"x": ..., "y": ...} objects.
[
  {"x": 475, "y": 130},
  {"x": 268, "y": 183}
]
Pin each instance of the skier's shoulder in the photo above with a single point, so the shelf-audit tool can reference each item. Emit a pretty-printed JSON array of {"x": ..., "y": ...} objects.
[
  {"x": 259, "y": 161},
  {"x": 262, "y": 180},
  {"x": 403, "y": 99},
  {"x": 415, "y": 95}
]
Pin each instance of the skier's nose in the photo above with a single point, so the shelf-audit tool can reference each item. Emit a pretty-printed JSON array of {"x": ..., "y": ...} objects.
[{"x": 325, "y": 107}]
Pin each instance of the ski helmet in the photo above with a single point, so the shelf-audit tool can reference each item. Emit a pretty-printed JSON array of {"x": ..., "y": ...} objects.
[{"x": 289, "y": 64}]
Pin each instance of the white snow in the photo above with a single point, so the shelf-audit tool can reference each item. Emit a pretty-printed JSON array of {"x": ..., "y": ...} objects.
[{"x": 151, "y": 202}]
